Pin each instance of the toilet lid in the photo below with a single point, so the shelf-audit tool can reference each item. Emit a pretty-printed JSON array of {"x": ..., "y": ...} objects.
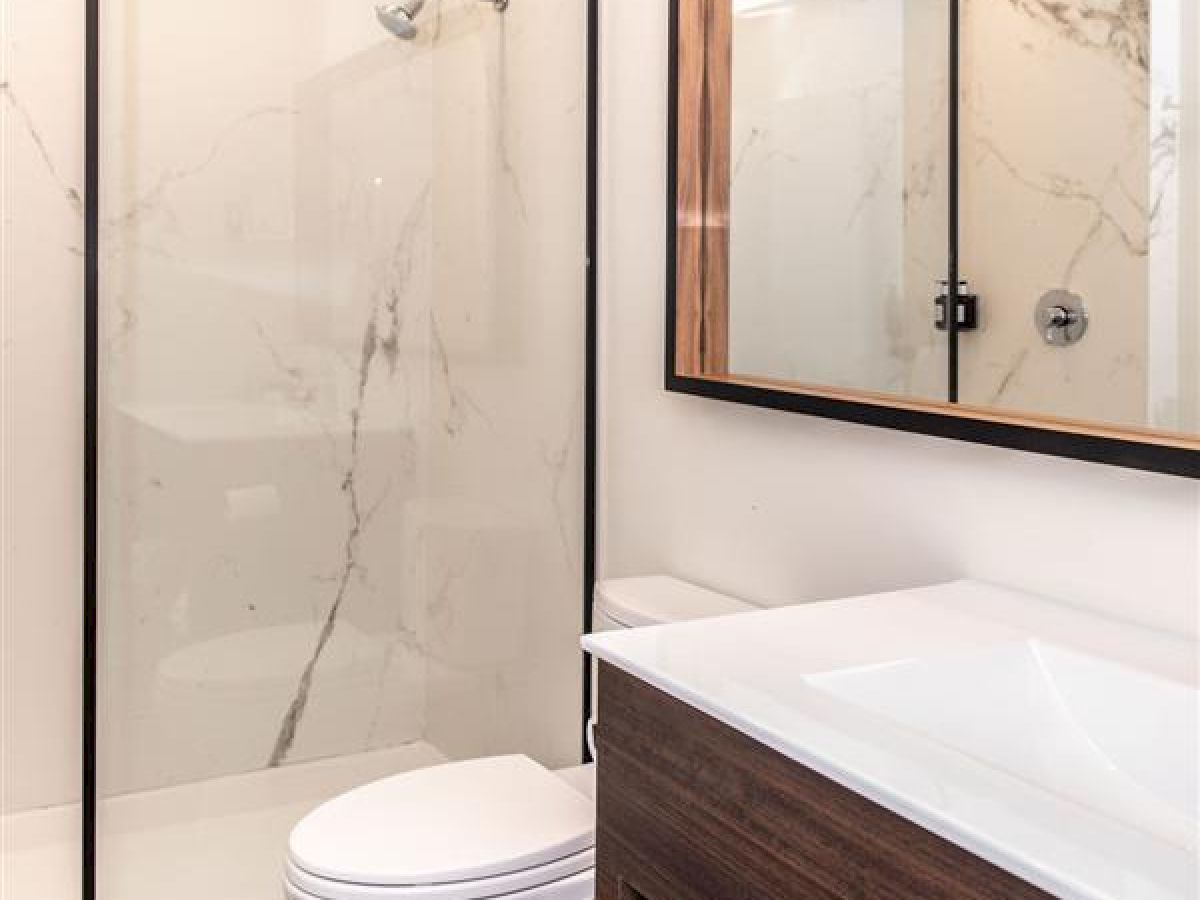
[
  {"x": 457, "y": 822},
  {"x": 661, "y": 600}
]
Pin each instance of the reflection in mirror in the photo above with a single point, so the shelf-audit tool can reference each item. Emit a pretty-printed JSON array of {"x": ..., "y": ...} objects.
[
  {"x": 973, "y": 209},
  {"x": 1078, "y": 181},
  {"x": 839, "y": 193}
]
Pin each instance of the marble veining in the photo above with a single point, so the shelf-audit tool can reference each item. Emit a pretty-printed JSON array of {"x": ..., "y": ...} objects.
[
  {"x": 753, "y": 136},
  {"x": 1120, "y": 28},
  {"x": 1131, "y": 229},
  {"x": 375, "y": 341},
  {"x": 68, "y": 191},
  {"x": 153, "y": 200}
]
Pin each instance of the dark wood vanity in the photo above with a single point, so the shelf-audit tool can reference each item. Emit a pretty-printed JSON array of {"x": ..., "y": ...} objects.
[{"x": 690, "y": 809}]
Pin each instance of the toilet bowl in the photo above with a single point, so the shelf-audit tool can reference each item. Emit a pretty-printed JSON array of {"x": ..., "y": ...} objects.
[{"x": 484, "y": 828}]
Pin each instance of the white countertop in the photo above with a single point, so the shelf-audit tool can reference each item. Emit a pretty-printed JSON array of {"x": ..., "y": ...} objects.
[{"x": 1085, "y": 804}]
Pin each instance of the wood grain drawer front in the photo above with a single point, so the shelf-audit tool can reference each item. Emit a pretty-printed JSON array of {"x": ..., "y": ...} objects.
[{"x": 690, "y": 809}]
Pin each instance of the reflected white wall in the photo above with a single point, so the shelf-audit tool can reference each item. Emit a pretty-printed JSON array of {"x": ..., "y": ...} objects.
[
  {"x": 1166, "y": 340},
  {"x": 1189, "y": 327},
  {"x": 832, "y": 127}
]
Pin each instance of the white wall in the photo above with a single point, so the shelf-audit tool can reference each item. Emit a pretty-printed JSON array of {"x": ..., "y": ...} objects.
[{"x": 776, "y": 507}]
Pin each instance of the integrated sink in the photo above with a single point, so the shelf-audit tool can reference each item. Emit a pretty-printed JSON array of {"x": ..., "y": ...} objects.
[
  {"x": 1119, "y": 741},
  {"x": 1060, "y": 745}
]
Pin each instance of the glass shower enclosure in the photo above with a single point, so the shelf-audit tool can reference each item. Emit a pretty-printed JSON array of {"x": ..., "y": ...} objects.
[{"x": 341, "y": 413}]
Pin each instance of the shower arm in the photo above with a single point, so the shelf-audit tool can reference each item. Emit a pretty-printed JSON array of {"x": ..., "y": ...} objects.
[{"x": 412, "y": 7}]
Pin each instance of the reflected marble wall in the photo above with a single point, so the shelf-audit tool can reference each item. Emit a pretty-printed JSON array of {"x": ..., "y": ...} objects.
[
  {"x": 1056, "y": 188},
  {"x": 503, "y": 525},
  {"x": 342, "y": 285}
]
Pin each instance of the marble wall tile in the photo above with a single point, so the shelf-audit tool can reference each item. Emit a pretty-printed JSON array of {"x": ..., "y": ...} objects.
[
  {"x": 502, "y": 525},
  {"x": 342, "y": 358},
  {"x": 41, "y": 384},
  {"x": 266, "y": 285}
]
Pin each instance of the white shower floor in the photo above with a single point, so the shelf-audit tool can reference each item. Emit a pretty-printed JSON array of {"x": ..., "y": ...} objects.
[{"x": 223, "y": 838}]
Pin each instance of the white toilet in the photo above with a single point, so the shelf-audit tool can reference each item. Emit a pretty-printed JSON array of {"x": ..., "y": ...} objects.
[{"x": 498, "y": 827}]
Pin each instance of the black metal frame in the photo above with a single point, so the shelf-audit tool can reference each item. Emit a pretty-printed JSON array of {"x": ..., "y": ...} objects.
[
  {"x": 91, "y": 348},
  {"x": 591, "y": 351},
  {"x": 1094, "y": 448},
  {"x": 953, "y": 276}
]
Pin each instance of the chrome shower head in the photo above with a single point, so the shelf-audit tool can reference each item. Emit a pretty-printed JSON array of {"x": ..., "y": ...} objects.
[{"x": 400, "y": 18}]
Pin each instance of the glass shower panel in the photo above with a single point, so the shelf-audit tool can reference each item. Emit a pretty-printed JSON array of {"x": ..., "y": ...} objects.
[{"x": 342, "y": 413}]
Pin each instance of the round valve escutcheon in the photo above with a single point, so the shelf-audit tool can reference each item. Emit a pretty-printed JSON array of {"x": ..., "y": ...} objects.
[{"x": 1061, "y": 318}]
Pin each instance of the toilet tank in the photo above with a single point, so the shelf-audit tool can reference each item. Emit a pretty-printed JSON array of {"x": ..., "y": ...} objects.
[
  {"x": 652, "y": 600},
  {"x": 657, "y": 600}
]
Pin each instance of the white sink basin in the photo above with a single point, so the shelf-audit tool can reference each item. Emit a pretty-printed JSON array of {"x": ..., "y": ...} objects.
[
  {"x": 1057, "y": 744},
  {"x": 1121, "y": 742}
]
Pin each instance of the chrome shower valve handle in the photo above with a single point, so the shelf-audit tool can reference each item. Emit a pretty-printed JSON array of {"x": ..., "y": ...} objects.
[{"x": 1062, "y": 318}]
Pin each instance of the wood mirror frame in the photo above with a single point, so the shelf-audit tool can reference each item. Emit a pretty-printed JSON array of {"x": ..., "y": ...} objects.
[{"x": 698, "y": 267}]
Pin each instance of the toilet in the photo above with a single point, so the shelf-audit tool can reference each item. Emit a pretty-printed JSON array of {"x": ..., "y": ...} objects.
[{"x": 484, "y": 828}]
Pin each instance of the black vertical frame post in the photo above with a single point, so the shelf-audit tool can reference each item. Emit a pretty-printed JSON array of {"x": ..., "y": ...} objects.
[
  {"x": 591, "y": 361},
  {"x": 672, "y": 205},
  {"x": 954, "y": 274},
  {"x": 91, "y": 368}
]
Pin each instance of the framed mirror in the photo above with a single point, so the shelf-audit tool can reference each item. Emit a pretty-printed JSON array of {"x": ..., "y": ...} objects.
[{"x": 965, "y": 218}]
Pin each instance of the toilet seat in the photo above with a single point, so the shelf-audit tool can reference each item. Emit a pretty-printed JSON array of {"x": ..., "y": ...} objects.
[
  {"x": 569, "y": 879},
  {"x": 485, "y": 828}
]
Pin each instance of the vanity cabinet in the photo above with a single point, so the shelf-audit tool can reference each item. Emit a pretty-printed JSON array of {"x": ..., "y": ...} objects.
[{"x": 691, "y": 809}]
